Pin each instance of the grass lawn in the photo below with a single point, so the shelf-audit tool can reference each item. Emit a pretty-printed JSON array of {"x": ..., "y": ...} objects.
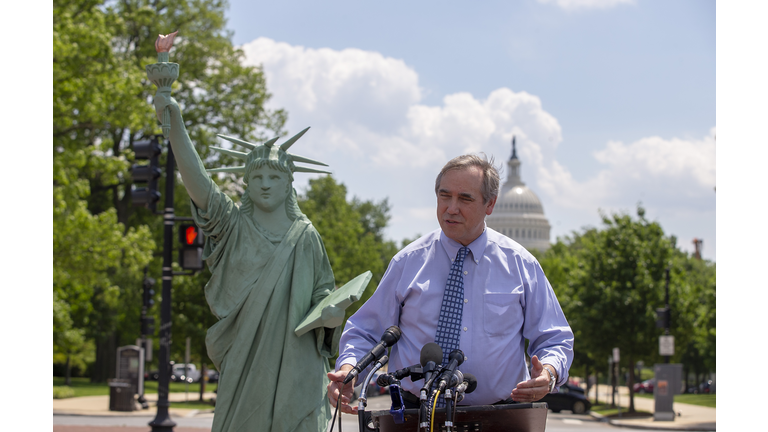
[
  {"x": 84, "y": 387},
  {"x": 707, "y": 400},
  {"x": 192, "y": 404},
  {"x": 613, "y": 412}
]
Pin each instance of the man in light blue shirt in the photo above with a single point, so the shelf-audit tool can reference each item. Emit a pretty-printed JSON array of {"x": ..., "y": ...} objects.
[{"x": 507, "y": 299}]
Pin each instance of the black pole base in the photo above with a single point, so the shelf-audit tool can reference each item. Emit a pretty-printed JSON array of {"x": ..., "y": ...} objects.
[
  {"x": 162, "y": 421},
  {"x": 162, "y": 425}
]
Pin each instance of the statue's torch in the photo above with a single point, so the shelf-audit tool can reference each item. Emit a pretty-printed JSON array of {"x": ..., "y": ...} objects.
[{"x": 163, "y": 74}]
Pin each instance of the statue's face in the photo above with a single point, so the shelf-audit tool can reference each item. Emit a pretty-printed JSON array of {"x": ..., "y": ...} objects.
[{"x": 268, "y": 188}]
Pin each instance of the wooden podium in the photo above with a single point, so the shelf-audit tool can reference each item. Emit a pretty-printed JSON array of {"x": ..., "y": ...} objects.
[{"x": 530, "y": 417}]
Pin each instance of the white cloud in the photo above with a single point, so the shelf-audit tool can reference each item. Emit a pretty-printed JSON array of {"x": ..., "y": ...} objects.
[
  {"x": 587, "y": 4},
  {"x": 663, "y": 170},
  {"x": 369, "y": 124},
  {"x": 349, "y": 86}
]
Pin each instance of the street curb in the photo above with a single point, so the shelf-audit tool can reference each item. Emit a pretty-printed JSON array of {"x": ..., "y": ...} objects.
[{"x": 621, "y": 423}]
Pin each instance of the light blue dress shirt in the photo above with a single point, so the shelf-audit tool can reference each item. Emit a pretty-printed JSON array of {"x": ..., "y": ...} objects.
[{"x": 507, "y": 300}]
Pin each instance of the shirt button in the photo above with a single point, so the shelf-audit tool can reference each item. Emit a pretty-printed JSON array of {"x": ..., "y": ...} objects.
[
  {"x": 466, "y": 300},
  {"x": 465, "y": 272},
  {"x": 466, "y": 358},
  {"x": 465, "y": 329}
]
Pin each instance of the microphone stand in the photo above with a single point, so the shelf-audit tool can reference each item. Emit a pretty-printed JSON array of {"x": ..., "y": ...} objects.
[
  {"x": 363, "y": 400},
  {"x": 448, "y": 417}
]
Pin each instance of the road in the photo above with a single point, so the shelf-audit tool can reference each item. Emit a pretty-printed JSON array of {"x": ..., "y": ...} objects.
[
  {"x": 201, "y": 422},
  {"x": 68, "y": 423}
]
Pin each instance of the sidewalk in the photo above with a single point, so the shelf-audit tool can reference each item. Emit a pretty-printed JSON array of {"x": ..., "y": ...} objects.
[
  {"x": 99, "y": 406},
  {"x": 689, "y": 417}
]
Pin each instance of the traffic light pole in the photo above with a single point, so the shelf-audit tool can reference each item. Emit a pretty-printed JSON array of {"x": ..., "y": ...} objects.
[
  {"x": 668, "y": 316},
  {"x": 162, "y": 421}
]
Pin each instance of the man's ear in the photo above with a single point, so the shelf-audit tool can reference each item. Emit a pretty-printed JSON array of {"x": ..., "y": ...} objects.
[{"x": 490, "y": 205}]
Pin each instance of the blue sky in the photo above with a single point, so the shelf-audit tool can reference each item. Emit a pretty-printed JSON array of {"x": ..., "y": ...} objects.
[{"x": 612, "y": 102}]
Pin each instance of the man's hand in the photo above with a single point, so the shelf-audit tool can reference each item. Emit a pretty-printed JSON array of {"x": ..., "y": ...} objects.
[
  {"x": 535, "y": 388},
  {"x": 337, "y": 378}
]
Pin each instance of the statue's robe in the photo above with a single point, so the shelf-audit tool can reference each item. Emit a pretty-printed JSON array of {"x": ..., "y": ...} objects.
[{"x": 270, "y": 379}]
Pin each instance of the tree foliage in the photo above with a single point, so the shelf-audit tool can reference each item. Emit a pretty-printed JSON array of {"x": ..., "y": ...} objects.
[
  {"x": 101, "y": 104},
  {"x": 353, "y": 232},
  {"x": 610, "y": 281}
]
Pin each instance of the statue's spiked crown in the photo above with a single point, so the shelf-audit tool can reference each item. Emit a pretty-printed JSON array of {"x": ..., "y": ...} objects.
[{"x": 267, "y": 151}]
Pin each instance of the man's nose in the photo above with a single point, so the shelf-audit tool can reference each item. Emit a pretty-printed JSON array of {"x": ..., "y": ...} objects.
[{"x": 453, "y": 207}]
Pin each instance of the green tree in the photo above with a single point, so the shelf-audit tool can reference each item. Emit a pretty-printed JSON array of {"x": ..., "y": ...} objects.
[
  {"x": 101, "y": 105},
  {"x": 353, "y": 232},
  {"x": 620, "y": 287}
]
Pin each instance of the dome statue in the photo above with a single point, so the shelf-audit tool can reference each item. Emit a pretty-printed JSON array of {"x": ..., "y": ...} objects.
[{"x": 518, "y": 213}]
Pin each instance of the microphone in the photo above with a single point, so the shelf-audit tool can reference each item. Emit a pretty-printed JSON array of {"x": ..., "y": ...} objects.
[
  {"x": 455, "y": 359},
  {"x": 431, "y": 355},
  {"x": 468, "y": 384},
  {"x": 386, "y": 380},
  {"x": 389, "y": 338},
  {"x": 414, "y": 372}
]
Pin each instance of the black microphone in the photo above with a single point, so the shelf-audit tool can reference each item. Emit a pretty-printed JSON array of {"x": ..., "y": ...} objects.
[
  {"x": 455, "y": 359},
  {"x": 386, "y": 380},
  {"x": 389, "y": 338},
  {"x": 415, "y": 372},
  {"x": 468, "y": 384},
  {"x": 431, "y": 355}
]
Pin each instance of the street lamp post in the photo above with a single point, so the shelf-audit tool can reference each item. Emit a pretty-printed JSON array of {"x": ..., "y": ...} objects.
[{"x": 162, "y": 421}]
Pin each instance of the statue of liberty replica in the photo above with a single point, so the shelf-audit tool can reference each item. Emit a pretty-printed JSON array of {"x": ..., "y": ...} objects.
[{"x": 269, "y": 270}]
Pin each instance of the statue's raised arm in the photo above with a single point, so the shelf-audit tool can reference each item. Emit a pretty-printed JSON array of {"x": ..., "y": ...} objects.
[{"x": 163, "y": 74}]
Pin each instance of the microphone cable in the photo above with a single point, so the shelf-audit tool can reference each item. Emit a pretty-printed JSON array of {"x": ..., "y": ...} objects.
[
  {"x": 435, "y": 396},
  {"x": 336, "y": 411}
]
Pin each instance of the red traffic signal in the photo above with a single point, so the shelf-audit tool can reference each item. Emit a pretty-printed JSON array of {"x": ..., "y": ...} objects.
[{"x": 192, "y": 241}]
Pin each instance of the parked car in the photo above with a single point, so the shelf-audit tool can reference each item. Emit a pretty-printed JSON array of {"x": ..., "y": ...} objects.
[
  {"x": 569, "y": 397},
  {"x": 213, "y": 376},
  {"x": 151, "y": 375},
  {"x": 192, "y": 374},
  {"x": 703, "y": 388},
  {"x": 645, "y": 386}
]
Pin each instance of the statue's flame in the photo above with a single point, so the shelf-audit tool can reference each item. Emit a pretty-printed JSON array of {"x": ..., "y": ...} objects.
[{"x": 165, "y": 42}]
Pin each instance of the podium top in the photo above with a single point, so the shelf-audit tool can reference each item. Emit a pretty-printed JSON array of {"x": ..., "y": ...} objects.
[{"x": 528, "y": 417}]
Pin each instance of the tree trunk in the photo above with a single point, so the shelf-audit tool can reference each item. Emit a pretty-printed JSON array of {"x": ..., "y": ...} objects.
[
  {"x": 68, "y": 373},
  {"x": 597, "y": 387},
  {"x": 203, "y": 379},
  {"x": 106, "y": 359},
  {"x": 631, "y": 385}
]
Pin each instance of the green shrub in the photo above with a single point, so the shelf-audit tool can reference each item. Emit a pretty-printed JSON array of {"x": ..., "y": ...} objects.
[{"x": 63, "y": 392}]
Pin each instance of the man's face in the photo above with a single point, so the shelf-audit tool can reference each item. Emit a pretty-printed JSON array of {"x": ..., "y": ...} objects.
[
  {"x": 268, "y": 188},
  {"x": 460, "y": 208}
]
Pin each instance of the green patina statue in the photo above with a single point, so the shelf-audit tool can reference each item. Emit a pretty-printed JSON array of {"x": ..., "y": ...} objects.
[{"x": 271, "y": 280}]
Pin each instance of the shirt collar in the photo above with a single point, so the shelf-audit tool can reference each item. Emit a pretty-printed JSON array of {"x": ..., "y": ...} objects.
[{"x": 477, "y": 247}]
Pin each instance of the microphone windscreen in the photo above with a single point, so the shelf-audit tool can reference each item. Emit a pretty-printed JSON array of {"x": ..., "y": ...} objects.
[
  {"x": 471, "y": 382},
  {"x": 391, "y": 336},
  {"x": 431, "y": 352},
  {"x": 456, "y": 355}
]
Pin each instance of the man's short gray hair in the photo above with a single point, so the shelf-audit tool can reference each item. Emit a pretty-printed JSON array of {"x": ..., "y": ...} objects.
[{"x": 491, "y": 179}]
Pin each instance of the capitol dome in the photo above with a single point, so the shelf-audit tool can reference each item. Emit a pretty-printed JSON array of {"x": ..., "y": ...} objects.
[{"x": 518, "y": 213}]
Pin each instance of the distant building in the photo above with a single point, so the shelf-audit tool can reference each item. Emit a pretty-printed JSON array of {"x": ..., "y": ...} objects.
[{"x": 519, "y": 214}]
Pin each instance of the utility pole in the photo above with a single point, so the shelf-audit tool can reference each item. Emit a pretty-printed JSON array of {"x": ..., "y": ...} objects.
[{"x": 162, "y": 421}]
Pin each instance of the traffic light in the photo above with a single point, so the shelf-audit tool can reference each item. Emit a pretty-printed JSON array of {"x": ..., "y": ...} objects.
[
  {"x": 191, "y": 253},
  {"x": 148, "y": 195},
  {"x": 663, "y": 317},
  {"x": 147, "y": 325},
  {"x": 148, "y": 293}
]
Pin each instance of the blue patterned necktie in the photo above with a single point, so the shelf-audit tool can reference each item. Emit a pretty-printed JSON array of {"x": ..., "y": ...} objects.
[{"x": 449, "y": 325}]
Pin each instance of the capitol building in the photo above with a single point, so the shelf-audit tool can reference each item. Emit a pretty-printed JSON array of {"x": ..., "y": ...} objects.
[{"x": 519, "y": 214}]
